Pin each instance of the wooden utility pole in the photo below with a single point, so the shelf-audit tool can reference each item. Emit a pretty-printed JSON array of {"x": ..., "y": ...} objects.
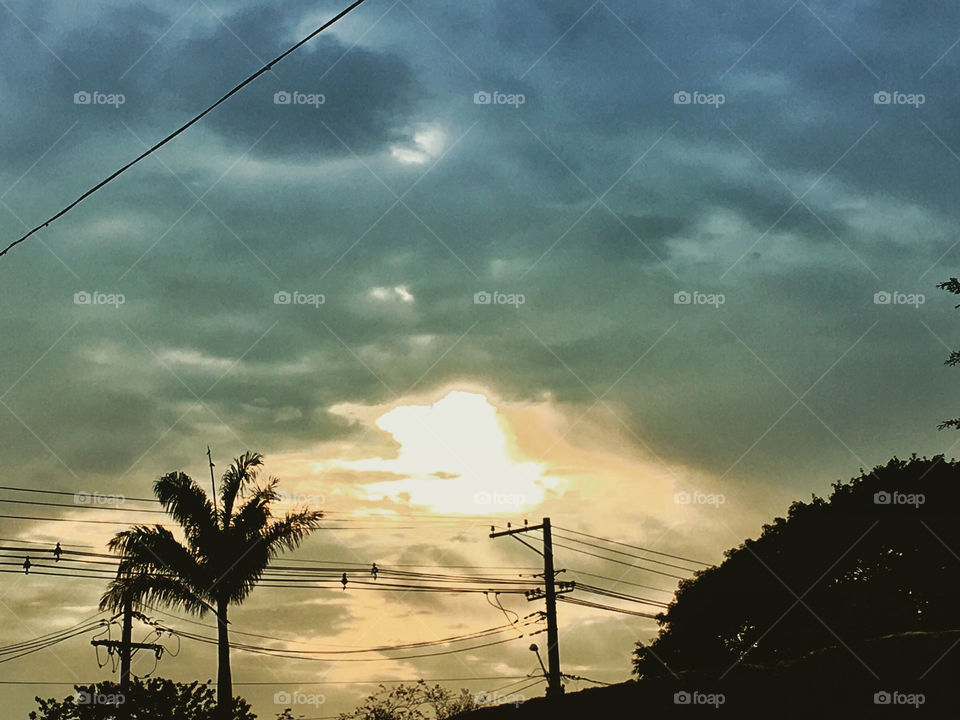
[
  {"x": 124, "y": 648},
  {"x": 125, "y": 651},
  {"x": 554, "y": 685}
]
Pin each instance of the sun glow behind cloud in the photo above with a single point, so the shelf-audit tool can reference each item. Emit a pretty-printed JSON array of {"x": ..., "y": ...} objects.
[{"x": 455, "y": 455}]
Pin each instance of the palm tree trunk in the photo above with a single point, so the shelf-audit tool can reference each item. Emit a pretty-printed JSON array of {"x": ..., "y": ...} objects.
[{"x": 224, "y": 681}]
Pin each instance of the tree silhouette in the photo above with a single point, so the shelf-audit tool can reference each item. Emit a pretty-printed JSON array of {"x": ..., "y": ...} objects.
[
  {"x": 413, "y": 702},
  {"x": 878, "y": 557},
  {"x": 149, "y": 699},
  {"x": 225, "y": 554}
]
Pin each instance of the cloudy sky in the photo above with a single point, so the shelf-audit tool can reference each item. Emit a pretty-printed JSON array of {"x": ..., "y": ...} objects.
[{"x": 568, "y": 258}]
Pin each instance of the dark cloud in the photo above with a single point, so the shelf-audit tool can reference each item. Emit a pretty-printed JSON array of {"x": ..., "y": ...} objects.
[{"x": 497, "y": 201}]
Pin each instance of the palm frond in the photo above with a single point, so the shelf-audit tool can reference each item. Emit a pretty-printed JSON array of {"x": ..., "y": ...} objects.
[
  {"x": 289, "y": 531},
  {"x": 154, "y": 549},
  {"x": 241, "y": 472},
  {"x": 153, "y": 589},
  {"x": 255, "y": 512},
  {"x": 186, "y": 502}
]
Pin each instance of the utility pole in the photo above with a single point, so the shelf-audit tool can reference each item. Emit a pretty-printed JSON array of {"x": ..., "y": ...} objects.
[
  {"x": 125, "y": 653},
  {"x": 554, "y": 686},
  {"x": 125, "y": 647}
]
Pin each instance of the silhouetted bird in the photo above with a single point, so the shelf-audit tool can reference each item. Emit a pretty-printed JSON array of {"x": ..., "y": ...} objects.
[
  {"x": 26, "y": 566},
  {"x": 374, "y": 570},
  {"x": 343, "y": 581},
  {"x": 57, "y": 552}
]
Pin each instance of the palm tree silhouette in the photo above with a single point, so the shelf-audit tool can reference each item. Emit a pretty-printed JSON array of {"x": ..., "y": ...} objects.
[{"x": 225, "y": 553}]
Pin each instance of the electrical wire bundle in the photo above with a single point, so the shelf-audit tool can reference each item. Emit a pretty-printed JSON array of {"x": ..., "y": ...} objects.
[
  {"x": 383, "y": 652},
  {"x": 42, "y": 642}
]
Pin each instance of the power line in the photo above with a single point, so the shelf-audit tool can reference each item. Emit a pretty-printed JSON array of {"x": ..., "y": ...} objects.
[
  {"x": 621, "y": 552},
  {"x": 521, "y": 679},
  {"x": 183, "y": 127},
  {"x": 88, "y": 501},
  {"x": 621, "y": 562},
  {"x": 310, "y": 654},
  {"x": 618, "y": 581},
  {"x": 404, "y": 516},
  {"x": 326, "y": 527},
  {"x": 285, "y": 655},
  {"x": 620, "y": 596},
  {"x": 70, "y": 494},
  {"x": 527, "y": 687},
  {"x": 385, "y": 681},
  {"x": 77, "y": 506},
  {"x": 635, "y": 547},
  {"x": 319, "y": 572},
  {"x": 15, "y": 540},
  {"x": 234, "y": 631},
  {"x": 586, "y": 679},
  {"x": 42, "y": 642},
  {"x": 598, "y": 606},
  {"x": 281, "y": 573},
  {"x": 72, "y": 520},
  {"x": 46, "y": 637},
  {"x": 288, "y": 583}
]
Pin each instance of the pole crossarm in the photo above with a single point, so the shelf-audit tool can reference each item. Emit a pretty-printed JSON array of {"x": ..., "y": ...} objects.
[
  {"x": 562, "y": 589},
  {"x": 119, "y": 644},
  {"x": 514, "y": 531}
]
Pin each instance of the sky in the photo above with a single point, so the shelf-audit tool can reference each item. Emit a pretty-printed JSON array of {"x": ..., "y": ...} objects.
[{"x": 655, "y": 271}]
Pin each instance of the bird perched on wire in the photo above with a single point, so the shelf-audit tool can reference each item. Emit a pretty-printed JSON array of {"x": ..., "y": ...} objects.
[
  {"x": 374, "y": 570},
  {"x": 343, "y": 581},
  {"x": 57, "y": 552},
  {"x": 26, "y": 566}
]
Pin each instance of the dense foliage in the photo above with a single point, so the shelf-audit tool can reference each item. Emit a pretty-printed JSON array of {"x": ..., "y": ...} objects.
[
  {"x": 879, "y": 556},
  {"x": 413, "y": 702},
  {"x": 151, "y": 699}
]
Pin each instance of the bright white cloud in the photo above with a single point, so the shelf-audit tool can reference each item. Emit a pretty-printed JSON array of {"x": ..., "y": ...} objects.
[
  {"x": 456, "y": 455},
  {"x": 427, "y": 144},
  {"x": 398, "y": 292}
]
